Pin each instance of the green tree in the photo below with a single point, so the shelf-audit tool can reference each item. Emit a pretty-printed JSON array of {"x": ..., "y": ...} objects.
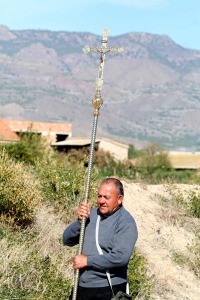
[
  {"x": 133, "y": 152},
  {"x": 154, "y": 159},
  {"x": 30, "y": 148}
]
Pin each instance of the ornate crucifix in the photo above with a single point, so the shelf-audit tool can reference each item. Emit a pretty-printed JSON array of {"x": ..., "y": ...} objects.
[{"x": 97, "y": 103}]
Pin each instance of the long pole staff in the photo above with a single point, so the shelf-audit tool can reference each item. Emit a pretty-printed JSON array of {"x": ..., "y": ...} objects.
[{"x": 97, "y": 103}]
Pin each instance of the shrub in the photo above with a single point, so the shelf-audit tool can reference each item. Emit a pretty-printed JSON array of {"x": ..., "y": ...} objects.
[
  {"x": 107, "y": 166},
  {"x": 63, "y": 180},
  {"x": 190, "y": 203},
  {"x": 139, "y": 282},
  {"x": 133, "y": 152},
  {"x": 179, "y": 258},
  {"x": 194, "y": 259},
  {"x": 154, "y": 159},
  {"x": 31, "y": 146},
  {"x": 19, "y": 192},
  {"x": 194, "y": 204}
]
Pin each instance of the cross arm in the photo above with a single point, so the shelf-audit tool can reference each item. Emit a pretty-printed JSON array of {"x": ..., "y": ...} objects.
[{"x": 88, "y": 49}]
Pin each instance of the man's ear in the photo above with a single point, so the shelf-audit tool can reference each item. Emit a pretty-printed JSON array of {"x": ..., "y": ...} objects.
[{"x": 120, "y": 199}]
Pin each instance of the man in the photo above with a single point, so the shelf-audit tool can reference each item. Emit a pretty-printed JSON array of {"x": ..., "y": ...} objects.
[{"x": 117, "y": 238}]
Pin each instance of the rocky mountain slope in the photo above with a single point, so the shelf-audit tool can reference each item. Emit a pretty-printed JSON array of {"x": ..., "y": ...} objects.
[{"x": 151, "y": 92}]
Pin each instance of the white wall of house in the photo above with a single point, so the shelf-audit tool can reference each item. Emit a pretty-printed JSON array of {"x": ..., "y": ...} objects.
[{"x": 118, "y": 150}]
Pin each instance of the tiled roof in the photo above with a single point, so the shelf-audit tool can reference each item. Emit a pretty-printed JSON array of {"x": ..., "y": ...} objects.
[
  {"x": 6, "y": 134},
  {"x": 18, "y": 126}
]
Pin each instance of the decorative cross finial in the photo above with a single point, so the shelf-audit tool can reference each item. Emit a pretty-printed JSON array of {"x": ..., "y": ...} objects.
[{"x": 97, "y": 101}]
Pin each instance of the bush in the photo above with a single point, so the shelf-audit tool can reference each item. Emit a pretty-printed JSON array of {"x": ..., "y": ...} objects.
[
  {"x": 194, "y": 258},
  {"x": 31, "y": 146},
  {"x": 107, "y": 166},
  {"x": 139, "y": 282},
  {"x": 153, "y": 159},
  {"x": 194, "y": 204},
  {"x": 19, "y": 192},
  {"x": 63, "y": 181},
  {"x": 133, "y": 152},
  {"x": 190, "y": 203}
]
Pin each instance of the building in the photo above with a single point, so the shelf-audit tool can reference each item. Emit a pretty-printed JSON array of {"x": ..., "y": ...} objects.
[
  {"x": 74, "y": 143},
  {"x": 54, "y": 132},
  {"x": 119, "y": 151},
  {"x": 6, "y": 134},
  {"x": 184, "y": 160},
  {"x": 60, "y": 137}
]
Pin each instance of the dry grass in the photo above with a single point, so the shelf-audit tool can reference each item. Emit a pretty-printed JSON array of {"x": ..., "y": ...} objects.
[
  {"x": 50, "y": 227},
  {"x": 167, "y": 238},
  {"x": 24, "y": 254}
]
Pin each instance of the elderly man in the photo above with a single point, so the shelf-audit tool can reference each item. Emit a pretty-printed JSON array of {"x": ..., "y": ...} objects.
[{"x": 117, "y": 237}]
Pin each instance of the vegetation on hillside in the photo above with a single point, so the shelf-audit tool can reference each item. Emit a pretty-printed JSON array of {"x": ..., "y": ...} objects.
[
  {"x": 37, "y": 187},
  {"x": 180, "y": 208},
  {"x": 19, "y": 192}
]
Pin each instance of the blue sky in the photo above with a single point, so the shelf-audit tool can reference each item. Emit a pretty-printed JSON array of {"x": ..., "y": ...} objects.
[{"x": 179, "y": 19}]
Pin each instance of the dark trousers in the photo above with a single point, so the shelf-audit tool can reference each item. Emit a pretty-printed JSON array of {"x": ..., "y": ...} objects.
[{"x": 103, "y": 293}]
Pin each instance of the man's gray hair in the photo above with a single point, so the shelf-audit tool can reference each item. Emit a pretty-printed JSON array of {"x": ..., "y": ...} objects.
[{"x": 117, "y": 183}]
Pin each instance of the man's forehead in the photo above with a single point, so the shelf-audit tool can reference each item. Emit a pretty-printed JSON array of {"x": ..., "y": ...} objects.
[{"x": 107, "y": 187}]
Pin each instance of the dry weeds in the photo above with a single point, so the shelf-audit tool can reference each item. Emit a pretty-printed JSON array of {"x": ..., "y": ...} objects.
[
  {"x": 47, "y": 233},
  {"x": 164, "y": 232}
]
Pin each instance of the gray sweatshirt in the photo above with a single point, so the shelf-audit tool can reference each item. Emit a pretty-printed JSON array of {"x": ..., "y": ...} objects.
[{"x": 117, "y": 238}]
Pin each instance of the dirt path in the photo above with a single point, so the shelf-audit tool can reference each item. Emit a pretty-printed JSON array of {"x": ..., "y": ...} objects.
[{"x": 161, "y": 237}]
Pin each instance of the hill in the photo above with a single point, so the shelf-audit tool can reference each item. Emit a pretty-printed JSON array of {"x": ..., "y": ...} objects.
[
  {"x": 166, "y": 238},
  {"x": 150, "y": 93}
]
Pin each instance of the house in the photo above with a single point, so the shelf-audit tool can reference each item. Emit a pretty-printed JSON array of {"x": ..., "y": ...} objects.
[
  {"x": 54, "y": 132},
  {"x": 119, "y": 151},
  {"x": 6, "y": 134},
  {"x": 74, "y": 143},
  {"x": 184, "y": 160},
  {"x": 60, "y": 137}
]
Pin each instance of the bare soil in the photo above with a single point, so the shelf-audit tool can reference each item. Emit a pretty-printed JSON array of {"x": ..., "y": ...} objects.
[{"x": 164, "y": 231}]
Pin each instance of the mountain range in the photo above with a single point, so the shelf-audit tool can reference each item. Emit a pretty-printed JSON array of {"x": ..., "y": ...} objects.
[{"x": 151, "y": 92}]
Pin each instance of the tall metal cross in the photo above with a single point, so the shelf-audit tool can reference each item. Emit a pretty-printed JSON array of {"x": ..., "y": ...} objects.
[{"x": 97, "y": 103}]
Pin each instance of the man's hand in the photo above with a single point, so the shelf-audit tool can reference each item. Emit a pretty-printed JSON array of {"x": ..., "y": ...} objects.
[
  {"x": 83, "y": 211},
  {"x": 80, "y": 261}
]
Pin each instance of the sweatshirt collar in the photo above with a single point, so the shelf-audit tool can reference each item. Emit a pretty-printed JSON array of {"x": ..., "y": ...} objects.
[{"x": 108, "y": 214}]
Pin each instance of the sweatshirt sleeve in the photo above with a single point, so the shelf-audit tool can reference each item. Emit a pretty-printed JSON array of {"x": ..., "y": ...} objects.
[
  {"x": 124, "y": 242},
  {"x": 71, "y": 234}
]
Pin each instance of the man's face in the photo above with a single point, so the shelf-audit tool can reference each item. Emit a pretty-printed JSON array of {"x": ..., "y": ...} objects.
[{"x": 108, "y": 198}]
